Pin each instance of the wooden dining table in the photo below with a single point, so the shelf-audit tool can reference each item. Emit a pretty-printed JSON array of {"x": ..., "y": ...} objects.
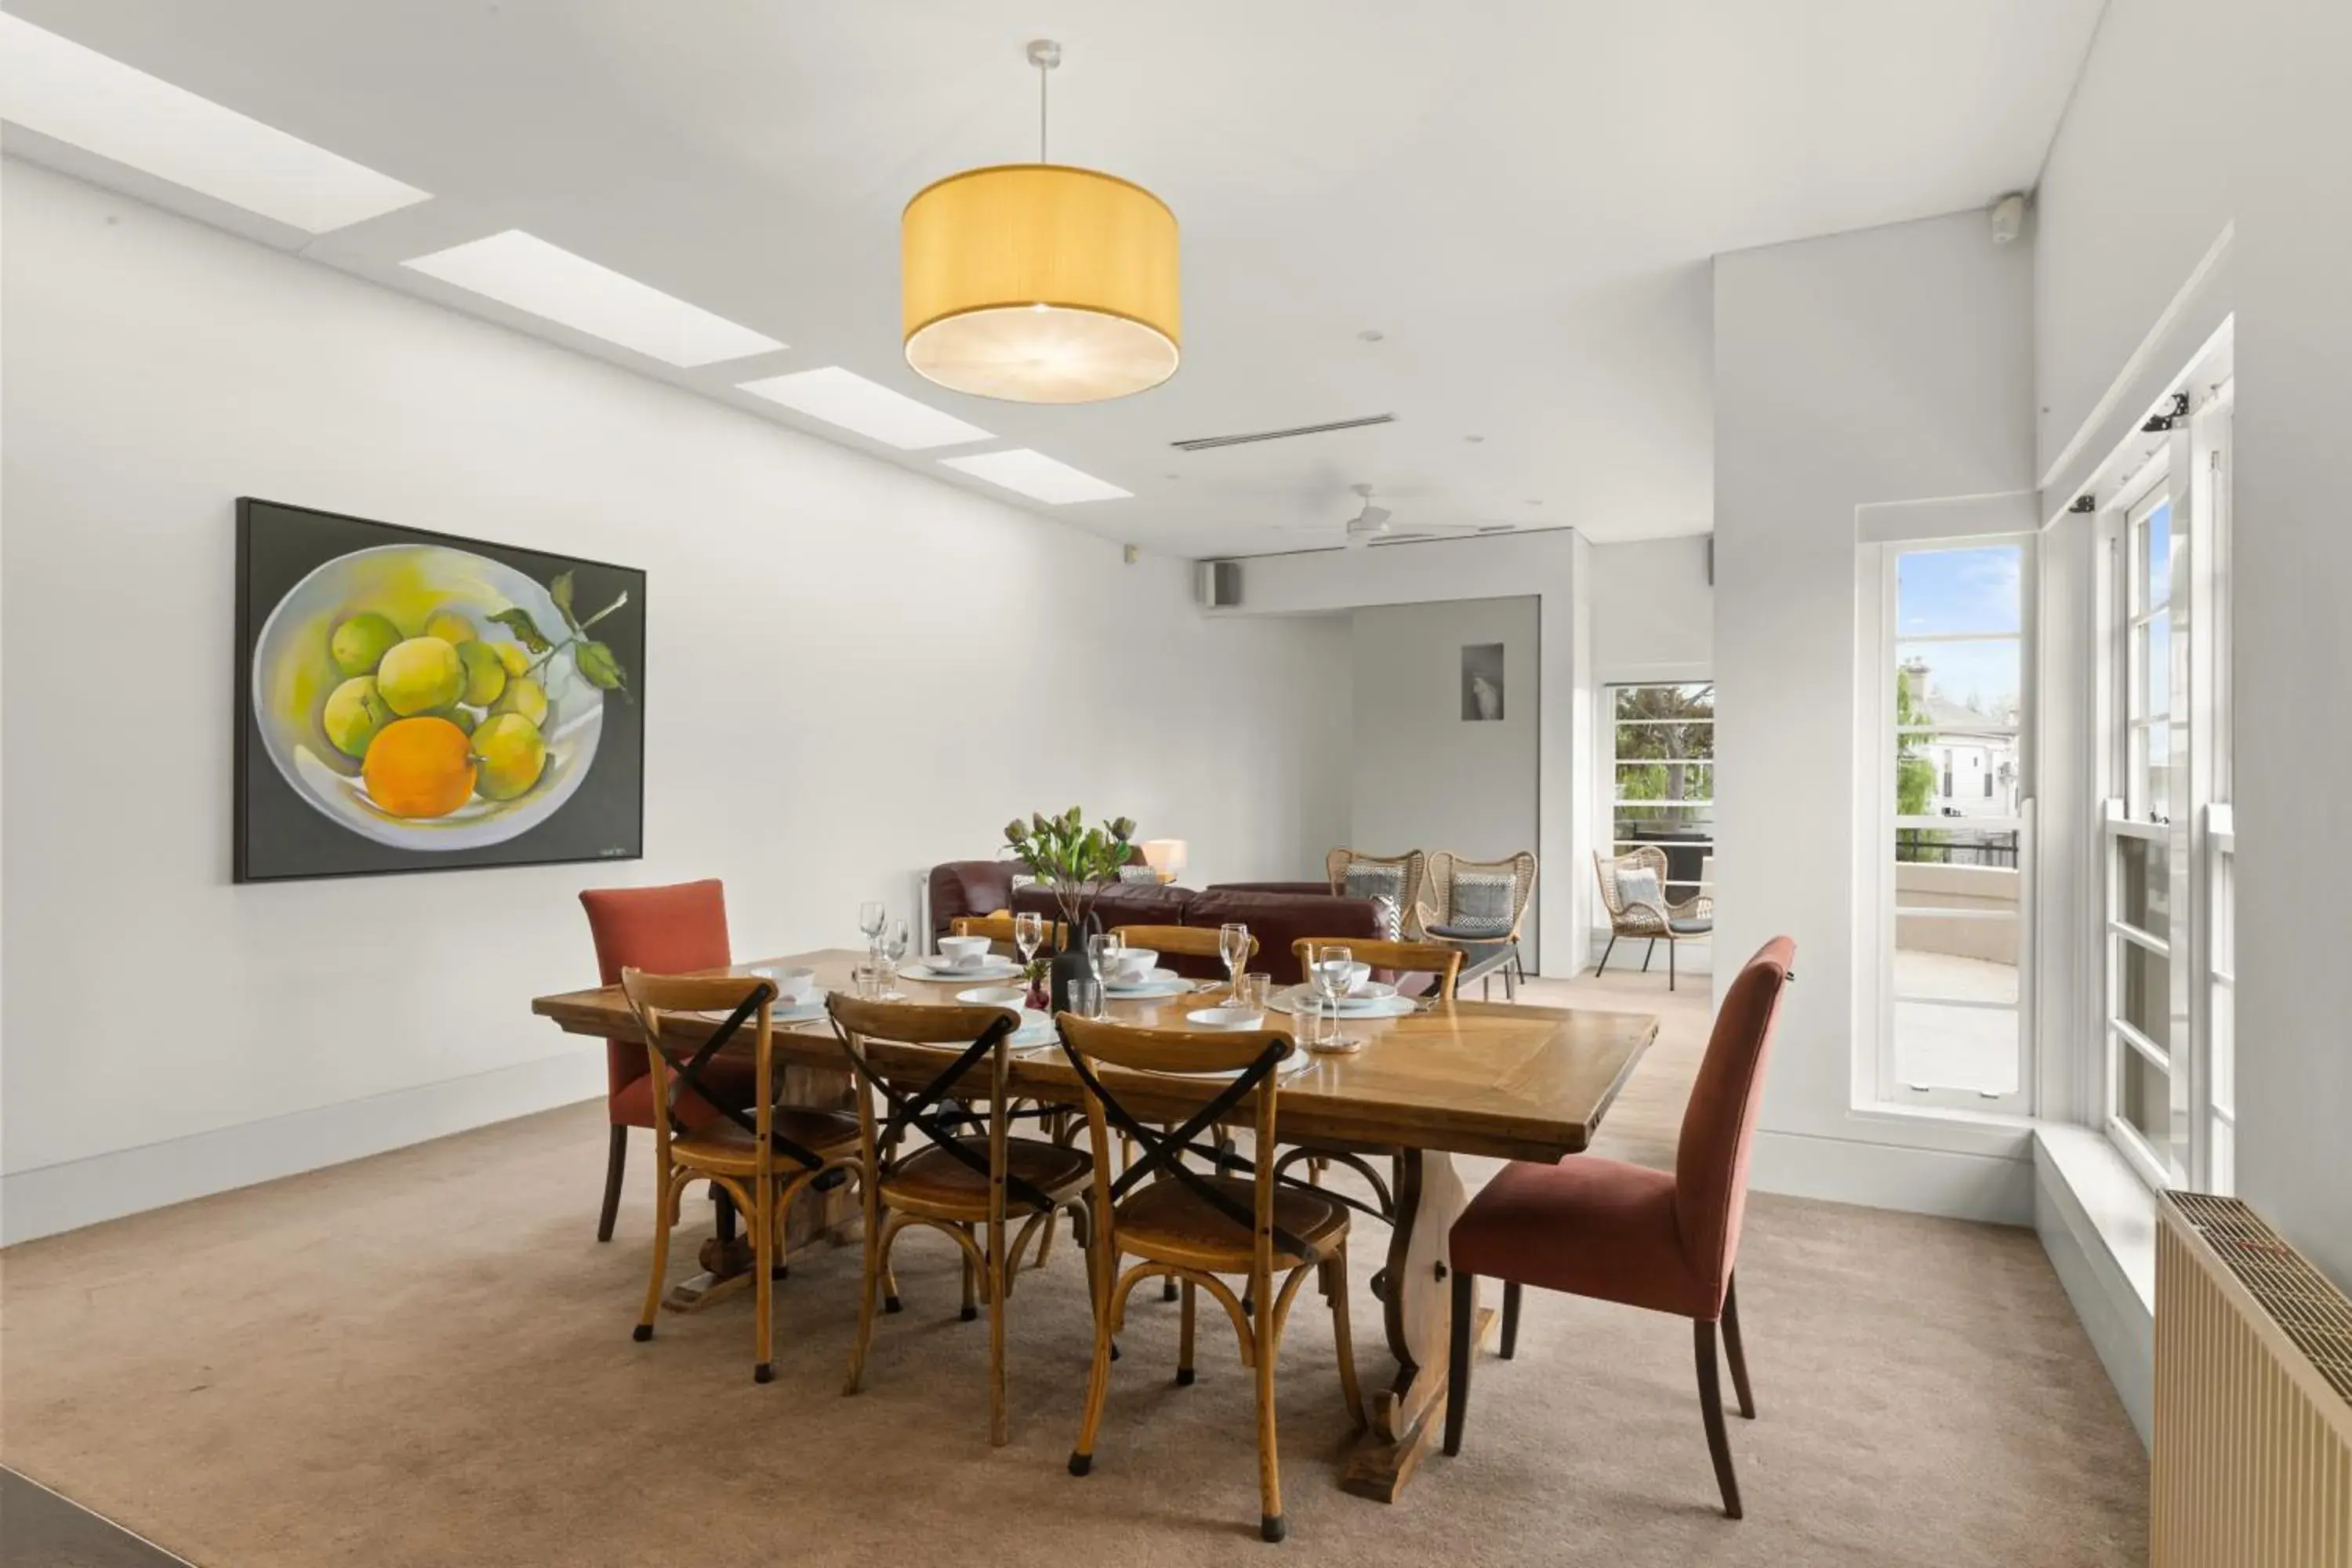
[{"x": 1505, "y": 1080}]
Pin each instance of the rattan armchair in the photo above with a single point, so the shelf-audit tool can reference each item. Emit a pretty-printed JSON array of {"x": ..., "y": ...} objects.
[
  {"x": 1437, "y": 914},
  {"x": 1414, "y": 869},
  {"x": 1659, "y": 921}
]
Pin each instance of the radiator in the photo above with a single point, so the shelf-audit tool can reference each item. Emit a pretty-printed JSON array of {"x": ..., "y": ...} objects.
[{"x": 2253, "y": 1397}]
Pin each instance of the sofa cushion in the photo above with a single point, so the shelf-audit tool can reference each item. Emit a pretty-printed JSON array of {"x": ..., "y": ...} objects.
[{"x": 1482, "y": 903}]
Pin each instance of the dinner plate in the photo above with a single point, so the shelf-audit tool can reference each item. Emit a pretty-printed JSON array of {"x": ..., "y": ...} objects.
[
  {"x": 928, "y": 969},
  {"x": 1301, "y": 1005},
  {"x": 1159, "y": 982},
  {"x": 1297, "y": 1061},
  {"x": 782, "y": 1013}
]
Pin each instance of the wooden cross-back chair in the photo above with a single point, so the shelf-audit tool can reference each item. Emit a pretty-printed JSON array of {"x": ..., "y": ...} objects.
[
  {"x": 998, "y": 928},
  {"x": 1397, "y": 960},
  {"x": 969, "y": 1183},
  {"x": 1413, "y": 868},
  {"x": 1189, "y": 941},
  {"x": 1179, "y": 1224},
  {"x": 761, "y": 1158}
]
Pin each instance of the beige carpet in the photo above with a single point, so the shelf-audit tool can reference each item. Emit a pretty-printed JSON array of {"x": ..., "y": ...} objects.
[{"x": 425, "y": 1358}]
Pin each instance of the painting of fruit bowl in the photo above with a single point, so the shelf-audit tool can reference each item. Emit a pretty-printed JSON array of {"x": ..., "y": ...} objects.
[{"x": 423, "y": 702}]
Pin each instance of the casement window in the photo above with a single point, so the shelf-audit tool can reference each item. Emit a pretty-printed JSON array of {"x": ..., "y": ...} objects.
[
  {"x": 2165, "y": 842},
  {"x": 1954, "y": 876},
  {"x": 1661, "y": 788}
]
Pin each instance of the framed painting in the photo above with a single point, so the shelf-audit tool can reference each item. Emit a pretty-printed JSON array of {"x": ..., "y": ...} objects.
[{"x": 413, "y": 701}]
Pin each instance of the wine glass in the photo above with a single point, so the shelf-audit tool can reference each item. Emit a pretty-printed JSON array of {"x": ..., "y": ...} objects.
[
  {"x": 1100, "y": 946},
  {"x": 1332, "y": 965},
  {"x": 869, "y": 920},
  {"x": 895, "y": 943},
  {"x": 1028, "y": 935},
  {"x": 1234, "y": 947}
]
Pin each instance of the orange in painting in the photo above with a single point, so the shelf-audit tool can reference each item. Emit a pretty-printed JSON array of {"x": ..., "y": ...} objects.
[{"x": 419, "y": 767}]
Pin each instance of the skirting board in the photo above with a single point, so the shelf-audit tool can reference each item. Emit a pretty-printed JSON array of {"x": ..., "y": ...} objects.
[
  {"x": 1992, "y": 1188},
  {"x": 2096, "y": 1220},
  {"x": 75, "y": 1193}
]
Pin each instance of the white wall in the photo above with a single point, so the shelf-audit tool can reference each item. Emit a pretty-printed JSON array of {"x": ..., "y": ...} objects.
[
  {"x": 2199, "y": 173},
  {"x": 1653, "y": 610},
  {"x": 1891, "y": 365},
  {"x": 168, "y": 1033},
  {"x": 1556, "y": 568},
  {"x": 1424, "y": 777}
]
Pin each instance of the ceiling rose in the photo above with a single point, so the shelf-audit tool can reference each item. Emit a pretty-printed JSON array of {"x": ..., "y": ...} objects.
[{"x": 1040, "y": 282}]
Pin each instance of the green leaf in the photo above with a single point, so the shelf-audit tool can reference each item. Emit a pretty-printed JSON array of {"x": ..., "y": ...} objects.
[
  {"x": 519, "y": 621},
  {"x": 599, "y": 668},
  {"x": 561, "y": 591}
]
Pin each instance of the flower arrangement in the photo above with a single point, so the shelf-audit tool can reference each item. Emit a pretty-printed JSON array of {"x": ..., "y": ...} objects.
[{"x": 1071, "y": 860}]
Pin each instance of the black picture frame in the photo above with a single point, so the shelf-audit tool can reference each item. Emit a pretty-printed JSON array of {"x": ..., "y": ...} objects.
[{"x": 279, "y": 834}]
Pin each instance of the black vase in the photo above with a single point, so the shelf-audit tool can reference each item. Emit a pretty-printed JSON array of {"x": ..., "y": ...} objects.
[{"x": 1072, "y": 962}]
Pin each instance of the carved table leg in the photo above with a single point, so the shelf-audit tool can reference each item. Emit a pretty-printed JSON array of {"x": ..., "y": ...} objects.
[{"x": 1418, "y": 1312}]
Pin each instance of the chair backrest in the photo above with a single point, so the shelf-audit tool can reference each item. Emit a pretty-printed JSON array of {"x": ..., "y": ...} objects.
[
  {"x": 1643, "y": 857},
  {"x": 663, "y": 931},
  {"x": 1441, "y": 962},
  {"x": 1412, "y": 874},
  {"x": 1719, "y": 1124},
  {"x": 679, "y": 1042},
  {"x": 1182, "y": 941},
  {"x": 1254, "y": 1059},
  {"x": 979, "y": 1036},
  {"x": 1445, "y": 867},
  {"x": 998, "y": 928}
]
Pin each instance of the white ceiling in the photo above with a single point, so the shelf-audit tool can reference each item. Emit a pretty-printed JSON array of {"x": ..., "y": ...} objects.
[{"x": 1520, "y": 195}]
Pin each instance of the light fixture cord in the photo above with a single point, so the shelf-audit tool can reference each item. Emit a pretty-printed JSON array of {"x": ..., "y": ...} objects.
[{"x": 1045, "y": 75}]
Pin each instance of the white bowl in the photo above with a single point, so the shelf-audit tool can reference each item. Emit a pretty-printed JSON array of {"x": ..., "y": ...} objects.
[
  {"x": 794, "y": 986},
  {"x": 292, "y": 676},
  {"x": 1226, "y": 1017},
  {"x": 964, "y": 952},
  {"x": 1130, "y": 964},
  {"x": 994, "y": 996}
]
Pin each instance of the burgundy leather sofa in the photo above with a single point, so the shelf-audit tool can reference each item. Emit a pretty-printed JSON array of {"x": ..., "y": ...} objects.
[{"x": 1277, "y": 913}]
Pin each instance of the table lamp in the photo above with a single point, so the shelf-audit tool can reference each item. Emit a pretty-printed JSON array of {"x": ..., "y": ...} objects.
[{"x": 1165, "y": 856}]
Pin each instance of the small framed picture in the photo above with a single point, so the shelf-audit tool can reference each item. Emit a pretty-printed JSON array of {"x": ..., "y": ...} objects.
[{"x": 1482, "y": 682}]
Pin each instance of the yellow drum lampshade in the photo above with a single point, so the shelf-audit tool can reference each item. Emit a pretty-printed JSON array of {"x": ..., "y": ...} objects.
[{"x": 1039, "y": 283}]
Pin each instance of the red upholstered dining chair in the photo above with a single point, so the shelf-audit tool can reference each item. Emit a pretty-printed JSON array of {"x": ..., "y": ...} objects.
[
  {"x": 663, "y": 931},
  {"x": 1666, "y": 1240}
]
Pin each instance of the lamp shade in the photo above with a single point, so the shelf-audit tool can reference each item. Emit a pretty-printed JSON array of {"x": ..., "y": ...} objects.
[
  {"x": 1165, "y": 856},
  {"x": 1039, "y": 283}
]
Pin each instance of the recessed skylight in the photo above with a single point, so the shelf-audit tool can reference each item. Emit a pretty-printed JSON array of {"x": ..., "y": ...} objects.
[
  {"x": 80, "y": 97},
  {"x": 1037, "y": 476},
  {"x": 845, "y": 398},
  {"x": 525, "y": 271}
]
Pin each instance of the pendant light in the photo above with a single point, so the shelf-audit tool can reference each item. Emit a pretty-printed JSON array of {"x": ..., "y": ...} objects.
[{"x": 1040, "y": 282}]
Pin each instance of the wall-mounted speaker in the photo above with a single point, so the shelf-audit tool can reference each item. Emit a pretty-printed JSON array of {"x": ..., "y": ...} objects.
[{"x": 1217, "y": 584}]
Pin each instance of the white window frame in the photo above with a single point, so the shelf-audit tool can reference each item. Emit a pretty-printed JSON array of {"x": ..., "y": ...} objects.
[
  {"x": 1891, "y": 1089},
  {"x": 2194, "y": 823}
]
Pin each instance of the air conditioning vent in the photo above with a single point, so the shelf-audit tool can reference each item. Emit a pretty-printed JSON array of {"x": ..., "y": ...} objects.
[{"x": 1210, "y": 443}]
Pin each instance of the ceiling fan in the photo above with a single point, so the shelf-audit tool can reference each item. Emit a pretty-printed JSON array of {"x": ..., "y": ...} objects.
[{"x": 1377, "y": 524}]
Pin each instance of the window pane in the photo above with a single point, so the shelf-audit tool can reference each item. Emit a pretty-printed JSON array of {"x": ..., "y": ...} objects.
[
  {"x": 1665, "y": 781},
  {"x": 1940, "y": 591},
  {"x": 2143, "y": 1096},
  {"x": 1956, "y": 1048},
  {"x": 2156, "y": 558},
  {"x": 1671, "y": 741},
  {"x": 1691, "y": 701},
  {"x": 1957, "y": 845},
  {"x": 2143, "y": 886},
  {"x": 2144, "y": 992},
  {"x": 1959, "y": 686},
  {"x": 2154, "y": 656}
]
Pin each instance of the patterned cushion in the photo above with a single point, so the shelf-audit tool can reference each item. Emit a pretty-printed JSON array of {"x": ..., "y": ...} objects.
[
  {"x": 1364, "y": 879},
  {"x": 1482, "y": 902},
  {"x": 1392, "y": 917},
  {"x": 1638, "y": 887},
  {"x": 1139, "y": 874}
]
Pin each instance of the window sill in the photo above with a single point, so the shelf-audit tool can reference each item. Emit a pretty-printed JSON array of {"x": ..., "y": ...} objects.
[{"x": 2097, "y": 1218}]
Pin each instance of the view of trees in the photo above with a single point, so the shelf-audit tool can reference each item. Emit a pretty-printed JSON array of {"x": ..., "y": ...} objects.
[
  {"x": 1675, "y": 725},
  {"x": 1915, "y": 774}
]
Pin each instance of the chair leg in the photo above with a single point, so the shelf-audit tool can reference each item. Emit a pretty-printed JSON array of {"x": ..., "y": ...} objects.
[
  {"x": 1457, "y": 1368},
  {"x": 1605, "y": 952},
  {"x": 869, "y": 1280},
  {"x": 664, "y": 1189},
  {"x": 1105, "y": 1273},
  {"x": 971, "y": 1285},
  {"x": 1510, "y": 1319},
  {"x": 1335, "y": 1282},
  {"x": 616, "y": 1158},
  {"x": 764, "y": 1283},
  {"x": 723, "y": 1214},
  {"x": 1733, "y": 1351},
  {"x": 999, "y": 1430},
  {"x": 1184, "y": 1336},
  {"x": 1671, "y": 945},
  {"x": 1269, "y": 1453},
  {"x": 1650, "y": 952},
  {"x": 1710, "y": 1404}
]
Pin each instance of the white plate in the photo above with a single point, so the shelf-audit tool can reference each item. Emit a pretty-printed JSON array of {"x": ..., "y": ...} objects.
[
  {"x": 930, "y": 969},
  {"x": 994, "y": 996},
  {"x": 1301, "y": 1005},
  {"x": 1225, "y": 1018},
  {"x": 1159, "y": 982},
  {"x": 782, "y": 1013},
  {"x": 1036, "y": 1029},
  {"x": 1297, "y": 1061}
]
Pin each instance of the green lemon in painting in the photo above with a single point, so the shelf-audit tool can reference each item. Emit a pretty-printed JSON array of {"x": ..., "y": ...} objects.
[
  {"x": 361, "y": 641},
  {"x": 420, "y": 675},
  {"x": 354, "y": 712},
  {"x": 486, "y": 673},
  {"x": 524, "y": 696},
  {"x": 510, "y": 754},
  {"x": 449, "y": 626},
  {"x": 512, "y": 656}
]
